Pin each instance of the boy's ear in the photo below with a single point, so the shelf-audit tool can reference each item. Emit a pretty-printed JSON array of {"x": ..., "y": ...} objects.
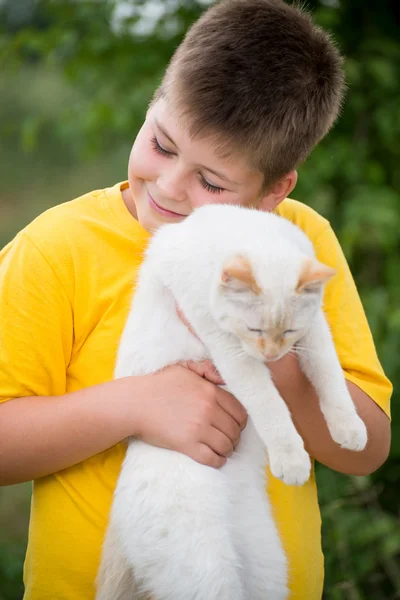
[{"x": 278, "y": 192}]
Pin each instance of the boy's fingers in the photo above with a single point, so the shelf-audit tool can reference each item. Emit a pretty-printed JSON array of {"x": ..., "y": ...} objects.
[
  {"x": 219, "y": 443},
  {"x": 206, "y": 456},
  {"x": 225, "y": 400},
  {"x": 211, "y": 373},
  {"x": 205, "y": 369},
  {"x": 227, "y": 425},
  {"x": 233, "y": 407}
]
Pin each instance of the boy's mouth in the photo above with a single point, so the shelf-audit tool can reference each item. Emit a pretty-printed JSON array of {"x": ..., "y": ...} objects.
[{"x": 163, "y": 211}]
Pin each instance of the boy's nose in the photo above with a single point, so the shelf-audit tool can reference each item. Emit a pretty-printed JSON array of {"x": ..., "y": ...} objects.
[{"x": 171, "y": 185}]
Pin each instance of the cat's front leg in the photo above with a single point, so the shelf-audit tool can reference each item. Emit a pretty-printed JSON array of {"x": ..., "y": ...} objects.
[
  {"x": 319, "y": 361},
  {"x": 287, "y": 457},
  {"x": 250, "y": 381}
]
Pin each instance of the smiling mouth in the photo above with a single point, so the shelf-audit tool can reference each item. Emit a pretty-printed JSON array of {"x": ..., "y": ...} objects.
[{"x": 163, "y": 211}]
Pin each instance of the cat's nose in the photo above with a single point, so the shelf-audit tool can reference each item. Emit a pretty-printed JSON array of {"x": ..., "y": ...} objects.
[{"x": 271, "y": 356}]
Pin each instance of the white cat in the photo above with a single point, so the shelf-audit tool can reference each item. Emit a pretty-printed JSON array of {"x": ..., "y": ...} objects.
[{"x": 251, "y": 288}]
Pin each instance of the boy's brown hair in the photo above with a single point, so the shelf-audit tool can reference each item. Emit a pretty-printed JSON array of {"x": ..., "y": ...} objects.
[{"x": 261, "y": 78}]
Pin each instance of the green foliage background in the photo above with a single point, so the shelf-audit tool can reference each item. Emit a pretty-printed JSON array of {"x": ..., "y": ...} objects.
[{"x": 73, "y": 93}]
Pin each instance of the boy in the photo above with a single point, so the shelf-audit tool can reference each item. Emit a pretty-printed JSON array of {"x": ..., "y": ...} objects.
[{"x": 254, "y": 86}]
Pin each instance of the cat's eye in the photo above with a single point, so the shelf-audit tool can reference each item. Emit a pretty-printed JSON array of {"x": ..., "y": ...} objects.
[
  {"x": 289, "y": 331},
  {"x": 255, "y": 330}
]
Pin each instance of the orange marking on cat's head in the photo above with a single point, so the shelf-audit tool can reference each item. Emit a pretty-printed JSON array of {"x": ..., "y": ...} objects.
[
  {"x": 260, "y": 344},
  {"x": 313, "y": 273},
  {"x": 237, "y": 272}
]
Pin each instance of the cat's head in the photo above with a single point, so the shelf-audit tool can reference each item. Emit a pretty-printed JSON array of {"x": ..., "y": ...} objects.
[{"x": 269, "y": 309}]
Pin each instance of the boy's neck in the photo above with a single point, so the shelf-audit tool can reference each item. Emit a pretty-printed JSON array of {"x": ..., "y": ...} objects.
[{"x": 129, "y": 202}]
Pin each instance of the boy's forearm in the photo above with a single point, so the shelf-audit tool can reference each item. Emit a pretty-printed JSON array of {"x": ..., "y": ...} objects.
[
  {"x": 302, "y": 401},
  {"x": 40, "y": 435}
]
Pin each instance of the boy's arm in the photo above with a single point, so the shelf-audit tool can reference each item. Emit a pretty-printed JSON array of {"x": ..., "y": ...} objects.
[
  {"x": 310, "y": 423},
  {"x": 368, "y": 386},
  {"x": 303, "y": 403},
  {"x": 361, "y": 366},
  {"x": 175, "y": 408},
  {"x": 45, "y": 428}
]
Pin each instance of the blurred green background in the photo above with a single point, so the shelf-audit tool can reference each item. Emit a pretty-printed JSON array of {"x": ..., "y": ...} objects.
[{"x": 75, "y": 81}]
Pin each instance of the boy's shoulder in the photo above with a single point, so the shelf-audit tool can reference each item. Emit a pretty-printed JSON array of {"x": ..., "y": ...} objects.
[
  {"x": 95, "y": 218},
  {"x": 306, "y": 218},
  {"x": 66, "y": 219},
  {"x": 67, "y": 235}
]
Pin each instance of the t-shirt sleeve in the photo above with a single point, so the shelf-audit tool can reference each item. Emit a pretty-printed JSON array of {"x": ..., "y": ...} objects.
[
  {"x": 36, "y": 324},
  {"x": 349, "y": 327}
]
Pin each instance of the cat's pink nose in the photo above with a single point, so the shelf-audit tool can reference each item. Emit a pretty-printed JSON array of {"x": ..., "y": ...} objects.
[{"x": 271, "y": 356}]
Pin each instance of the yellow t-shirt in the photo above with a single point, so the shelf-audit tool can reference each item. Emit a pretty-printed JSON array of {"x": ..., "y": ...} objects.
[{"x": 66, "y": 285}]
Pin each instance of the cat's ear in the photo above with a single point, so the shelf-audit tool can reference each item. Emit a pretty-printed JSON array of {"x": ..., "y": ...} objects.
[
  {"x": 237, "y": 276},
  {"x": 313, "y": 276}
]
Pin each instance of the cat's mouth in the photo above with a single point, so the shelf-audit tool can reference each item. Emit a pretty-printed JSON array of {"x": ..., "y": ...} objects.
[
  {"x": 269, "y": 358},
  {"x": 273, "y": 358},
  {"x": 261, "y": 355}
]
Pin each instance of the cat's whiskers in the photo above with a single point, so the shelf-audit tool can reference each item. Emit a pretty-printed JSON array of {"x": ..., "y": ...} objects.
[
  {"x": 305, "y": 348},
  {"x": 295, "y": 351}
]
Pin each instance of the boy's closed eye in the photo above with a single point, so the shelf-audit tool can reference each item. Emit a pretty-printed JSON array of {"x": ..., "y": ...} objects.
[
  {"x": 214, "y": 189},
  {"x": 160, "y": 149},
  {"x": 157, "y": 147}
]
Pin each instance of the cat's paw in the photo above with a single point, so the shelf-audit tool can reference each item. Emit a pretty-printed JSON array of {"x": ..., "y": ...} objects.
[
  {"x": 350, "y": 432},
  {"x": 290, "y": 463}
]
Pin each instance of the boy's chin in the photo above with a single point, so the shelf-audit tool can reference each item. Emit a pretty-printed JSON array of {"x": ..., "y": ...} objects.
[{"x": 152, "y": 222}]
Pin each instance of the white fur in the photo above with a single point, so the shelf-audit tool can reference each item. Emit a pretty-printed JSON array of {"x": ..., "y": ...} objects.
[{"x": 180, "y": 530}]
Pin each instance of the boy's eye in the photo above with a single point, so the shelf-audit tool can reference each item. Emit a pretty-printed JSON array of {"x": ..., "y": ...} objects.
[
  {"x": 210, "y": 188},
  {"x": 158, "y": 148}
]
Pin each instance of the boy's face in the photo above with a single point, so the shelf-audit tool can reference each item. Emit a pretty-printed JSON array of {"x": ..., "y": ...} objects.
[{"x": 170, "y": 174}]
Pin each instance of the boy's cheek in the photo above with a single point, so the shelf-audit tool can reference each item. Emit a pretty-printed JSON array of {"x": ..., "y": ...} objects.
[
  {"x": 142, "y": 159},
  {"x": 142, "y": 165}
]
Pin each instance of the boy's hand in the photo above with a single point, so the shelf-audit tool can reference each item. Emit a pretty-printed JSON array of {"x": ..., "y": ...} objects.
[
  {"x": 205, "y": 369},
  {"x": 182, "y": 409}
]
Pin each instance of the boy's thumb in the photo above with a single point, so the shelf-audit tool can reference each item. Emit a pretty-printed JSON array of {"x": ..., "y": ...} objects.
[{"x": 205, "y": 369}]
